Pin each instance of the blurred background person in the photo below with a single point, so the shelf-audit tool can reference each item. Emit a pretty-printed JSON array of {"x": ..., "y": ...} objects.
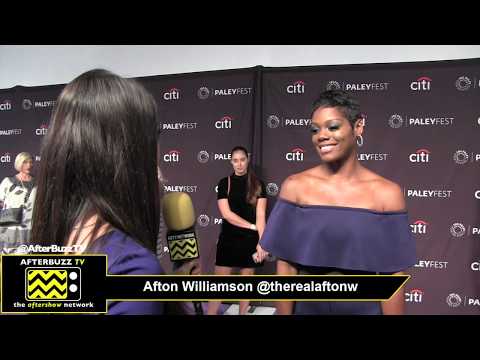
[{"x": 17, "y": 198}]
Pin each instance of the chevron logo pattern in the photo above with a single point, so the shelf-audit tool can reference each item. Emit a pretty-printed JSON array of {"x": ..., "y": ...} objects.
[
  {"x": 47, "y": 284},
  {"x": 183, "y": 249}
]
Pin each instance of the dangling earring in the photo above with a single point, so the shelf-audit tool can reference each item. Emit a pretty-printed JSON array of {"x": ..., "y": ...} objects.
[{"x": 359, "y": 140}]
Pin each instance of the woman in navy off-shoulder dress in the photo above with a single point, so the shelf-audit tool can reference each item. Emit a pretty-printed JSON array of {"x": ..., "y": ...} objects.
[{"x": 339, "y": 217}]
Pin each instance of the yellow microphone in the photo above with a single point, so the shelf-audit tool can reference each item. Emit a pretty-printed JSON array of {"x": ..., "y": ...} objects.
[{"x": 179, "y": 216}]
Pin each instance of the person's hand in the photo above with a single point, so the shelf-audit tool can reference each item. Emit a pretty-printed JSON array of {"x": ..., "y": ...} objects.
[
  {"x": 260, "y": 254},
  {"x": 192, "y": 267}
]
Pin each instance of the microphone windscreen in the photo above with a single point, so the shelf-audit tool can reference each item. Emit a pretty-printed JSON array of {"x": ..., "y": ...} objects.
[{"x": 178, "y": 211}]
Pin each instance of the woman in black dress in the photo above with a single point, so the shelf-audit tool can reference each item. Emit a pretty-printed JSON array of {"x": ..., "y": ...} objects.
[{"x": 242, "y": 203}]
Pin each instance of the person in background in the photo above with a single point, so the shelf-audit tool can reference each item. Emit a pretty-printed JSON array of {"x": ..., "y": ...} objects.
[
  {"x": 242, "y": 203},
  {"x": 17, "y": 197}
]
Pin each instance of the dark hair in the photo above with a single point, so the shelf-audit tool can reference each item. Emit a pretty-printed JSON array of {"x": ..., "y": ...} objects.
[
  {"x": 254, "y": 188},
  {"x": 99, "y": 157},
  {"x": 345, "y": 103}
]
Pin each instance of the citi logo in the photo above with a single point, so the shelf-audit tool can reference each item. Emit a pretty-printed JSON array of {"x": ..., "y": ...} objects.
[
  {"x": 475, "y": 266},
  {"x": 6, "y": 105},
  {"x": 172, "y": 94},
  {"x": 420, "y": 156},
  {"x": 415, "y": 295},
  {"x": 298, "y": 87},
  {"x": 296, "y": 154},
  {"x": 224, "y": 123},
  {"x": 5, "y": 158},
  {"x": 419, "y": 227},
  {"x": 172, "y": 156},
  {"x": 421, "y": 84},
  {"x": 42, "y": 130}
]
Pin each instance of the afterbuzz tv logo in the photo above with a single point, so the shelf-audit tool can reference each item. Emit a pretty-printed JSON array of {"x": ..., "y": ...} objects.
[
  {"x": 459, "y": 229},
  {"x": 372, "y": 156},
  {"x": 179, "y": 126},
  {"x": 419, "y": 227},
  {"x": 296, "y": 154},
  {"x": 28, "y": 104},
  {"x": 431, "y": 264},
  {"x": 204, "y": 220},
  {"x": 357, "y": 86},
  {"x": 225, "y": 122},
  {"x": 173, "y": 156},
  {"x": 171, "y": 94},
  {"x": 462, "y": 157},
  {"x": 428, "y": 193},
  {"x": 204, "y": 156},
  {"x": 6, "y": 158},
  {"x": 274, "y": 121},
  {"x": 5, "y": 105},
  {"x": 423, "y": 83},
  {"x": 7, "y": 132},
  {"x": 298, "y": 87},
  {"x": 180, "y": 188},
  {"x": 52, "y": 284},
  {"x": 455, "y": 300},
  {"x": 42, "y": 130},
  {"x": 396, "y": 121},
  {"x": 420, "y": 156},
  {"x": 204, "y": 92},
  {"x": 414, "y": 296}
]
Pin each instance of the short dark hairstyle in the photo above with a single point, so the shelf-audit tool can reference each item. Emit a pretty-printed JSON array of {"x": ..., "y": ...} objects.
[
  {"x": 349, "y": 106},
  {"x": 99, "y": 157}
]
